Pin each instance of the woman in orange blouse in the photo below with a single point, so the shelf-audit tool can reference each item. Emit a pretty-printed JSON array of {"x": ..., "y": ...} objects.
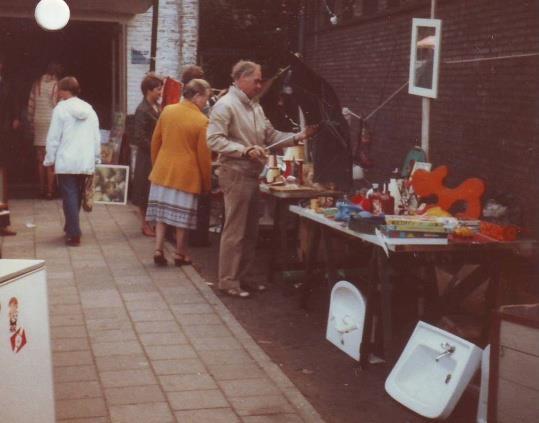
[{"x": 181, "y": 169}]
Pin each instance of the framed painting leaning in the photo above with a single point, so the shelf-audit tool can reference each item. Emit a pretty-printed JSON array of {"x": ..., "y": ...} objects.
[{"x": 111, "y": 184}]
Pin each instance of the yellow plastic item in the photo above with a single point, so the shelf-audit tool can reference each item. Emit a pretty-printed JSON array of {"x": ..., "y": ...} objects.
[{"x": 437, "y": 212}]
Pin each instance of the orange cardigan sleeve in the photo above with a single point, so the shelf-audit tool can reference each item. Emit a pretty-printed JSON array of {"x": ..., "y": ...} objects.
[
  {"x": 204, "y": 159},
  {"x": 157, "y": 140}
]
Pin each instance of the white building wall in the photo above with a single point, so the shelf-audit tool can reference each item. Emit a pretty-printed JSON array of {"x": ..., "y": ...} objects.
[{"x": 176, "y": 17}]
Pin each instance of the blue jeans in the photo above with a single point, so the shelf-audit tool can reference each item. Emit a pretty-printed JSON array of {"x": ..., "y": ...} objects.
[{"x": 71, "y": 187}]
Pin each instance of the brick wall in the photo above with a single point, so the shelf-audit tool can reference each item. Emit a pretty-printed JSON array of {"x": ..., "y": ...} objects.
[
  {"x": 485, "y": 121},
  {"x": 176, "y": 43}
]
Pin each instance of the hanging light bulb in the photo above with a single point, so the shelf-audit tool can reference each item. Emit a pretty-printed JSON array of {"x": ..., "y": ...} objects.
[
  {"x": 332, "y": 16},
  {"x": 52, "y": 15}
]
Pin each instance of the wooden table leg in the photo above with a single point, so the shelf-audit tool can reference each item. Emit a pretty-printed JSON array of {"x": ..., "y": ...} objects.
[
  {"x": 383, "y": 264},
  {"x": 329, "y": 259},
  {"x": 275, "y": 242},
  {"x": 310, "y": 258},
  {"x": 368, "y": 329},
  {"x": 493, "y": 294},
  {"x": 430, "y": 283}
]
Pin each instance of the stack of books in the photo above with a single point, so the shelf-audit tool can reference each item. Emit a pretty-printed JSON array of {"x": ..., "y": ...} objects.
[{"x": 416, "y": 230}]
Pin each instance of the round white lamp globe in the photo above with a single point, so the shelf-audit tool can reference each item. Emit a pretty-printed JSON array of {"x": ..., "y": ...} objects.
[{"x": 52, "y": 15}]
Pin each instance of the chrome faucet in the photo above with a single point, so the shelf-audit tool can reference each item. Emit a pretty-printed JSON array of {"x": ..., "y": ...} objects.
[{"x": 448, "y": 349}]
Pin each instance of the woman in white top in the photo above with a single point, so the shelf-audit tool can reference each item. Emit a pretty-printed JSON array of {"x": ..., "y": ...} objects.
[{"x": 43, "y": 98}]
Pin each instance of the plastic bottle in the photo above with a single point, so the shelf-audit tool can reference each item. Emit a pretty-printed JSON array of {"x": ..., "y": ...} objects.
[
  {"x": 376, "y": 200},
  {"x": 388, "y": 202}
]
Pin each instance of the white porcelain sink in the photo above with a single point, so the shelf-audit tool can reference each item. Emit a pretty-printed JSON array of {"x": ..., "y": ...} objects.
[{"x": 428, "y": 382}]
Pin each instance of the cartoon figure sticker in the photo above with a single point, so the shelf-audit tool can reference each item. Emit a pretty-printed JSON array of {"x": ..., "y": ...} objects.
[
  {"x": 13, "y": 309},
  {"x": 18, "y": 340}
]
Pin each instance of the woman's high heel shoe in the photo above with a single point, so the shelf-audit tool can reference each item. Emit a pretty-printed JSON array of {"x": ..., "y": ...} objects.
[
  {"x": 159, "y": 258},
  {"x": 181, "y": 260}
]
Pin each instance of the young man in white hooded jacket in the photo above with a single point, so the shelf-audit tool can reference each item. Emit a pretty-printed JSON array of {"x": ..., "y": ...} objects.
[{"x": 73, "y": 148}]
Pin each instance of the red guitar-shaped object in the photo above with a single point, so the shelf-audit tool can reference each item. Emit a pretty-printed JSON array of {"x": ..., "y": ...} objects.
[{"x": 432, "y": 183}]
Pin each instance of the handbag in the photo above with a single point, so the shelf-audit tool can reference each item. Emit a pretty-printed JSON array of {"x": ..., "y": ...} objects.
[{"x": 88, "y": 191}]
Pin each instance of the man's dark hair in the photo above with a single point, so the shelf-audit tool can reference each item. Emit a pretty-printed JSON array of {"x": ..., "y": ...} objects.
[
  {"x": 69, "y": 83},
  {"x": 55, "y": 68},
  {"x": 191, "y": 72},
  {"x": 150, "y": 82}
]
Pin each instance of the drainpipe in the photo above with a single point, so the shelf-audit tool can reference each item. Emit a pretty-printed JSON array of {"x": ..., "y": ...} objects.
[
  {"x": 155, "y": 24},
  {"x": 425, "y": 109},
  {"x": 301, "y": 28}
]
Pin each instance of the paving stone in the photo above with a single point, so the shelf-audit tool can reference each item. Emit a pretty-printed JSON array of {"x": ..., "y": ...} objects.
[
  {"x": 235, "y": 371},
  {"x": 72, "y": 358},
  {"x": 206, "y": 331},
  {"x": 134, "y": 395},
  {"x": 63, "y": 309},
  {"x": 64, "y": 299},
  {"x": 165, "y": 352},
  {"x": 274, "y": 418},
  {"x": 142, "y": 413},
  {"x": 174, "y": 338},
  {"x": 156, "y": 327},
  {"x": 116, "y": 348},
  {"x": 86, "y": 420},
  {"x": 97, "y": 313},
  {"x": 120, "y": 378},
  {"x": 122, "y": 362},
  {"x": 141, "y": 296},
  {"x": 74, "y": 373},
  {"x": 191, "y": 382},
  {"x": 154, "y": 304},
  {"x": 101, "y": 298},
  {"x": 186, "y": 298},
  {"x": 107, "y": 324},
  {"x": 68, "y": 332},
  {"x": 178, "y": 310},
  {"x": 216, "y": 415},
  {"x": 185, "y": 366},
  {"x": 261, "y": 405},
  {"x": 77, "y": 390},
  {"x": 70, "y": 344},
  {"x": 199, "y": 319},
  {"x": 226, "y": 357},
  {"x": 189, "y": 400},
  {"x": 150, "y": 315},
  {"x": 114, "y": 335},
  {"x": 78, "y": 408},
  {"x": 216, "y": 344},
  {"x": 67, "y": 320},
  {"x": 248, "y": 387}
]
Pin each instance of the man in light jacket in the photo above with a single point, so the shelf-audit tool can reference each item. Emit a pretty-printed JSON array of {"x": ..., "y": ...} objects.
[
  {"x": 73, "y": 148},
  {"x": 239, "y": 131}
]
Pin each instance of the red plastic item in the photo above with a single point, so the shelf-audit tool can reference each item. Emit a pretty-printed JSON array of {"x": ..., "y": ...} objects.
[
  {"x": 366, "y": 204},
  {"x": 499, "y": 232}
]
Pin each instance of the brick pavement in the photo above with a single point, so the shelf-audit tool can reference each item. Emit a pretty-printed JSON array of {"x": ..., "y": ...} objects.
[{"x": 135, "y": 343}]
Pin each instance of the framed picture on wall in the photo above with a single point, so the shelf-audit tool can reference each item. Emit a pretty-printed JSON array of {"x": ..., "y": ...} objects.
[
  {"x": 111, "y": 184},
  {"x": 425, "y": 51}
]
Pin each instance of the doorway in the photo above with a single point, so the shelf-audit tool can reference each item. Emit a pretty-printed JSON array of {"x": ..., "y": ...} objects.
[{"x": 85, "y": 49}]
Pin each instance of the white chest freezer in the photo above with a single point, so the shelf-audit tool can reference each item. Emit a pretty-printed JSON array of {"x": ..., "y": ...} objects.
[{"x": 26, "y": 384}]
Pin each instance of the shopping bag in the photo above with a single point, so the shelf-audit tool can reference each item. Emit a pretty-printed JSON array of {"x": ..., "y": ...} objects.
[{"x": 88, "y": 191}]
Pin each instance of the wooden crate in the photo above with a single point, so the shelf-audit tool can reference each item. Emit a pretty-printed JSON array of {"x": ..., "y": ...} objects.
[{"x": 514, "y": 366}]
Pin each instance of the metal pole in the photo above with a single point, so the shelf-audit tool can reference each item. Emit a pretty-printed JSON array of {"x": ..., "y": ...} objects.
[
  {"x": 425, "y": 109},
  {"x": 155, "y": 24}
]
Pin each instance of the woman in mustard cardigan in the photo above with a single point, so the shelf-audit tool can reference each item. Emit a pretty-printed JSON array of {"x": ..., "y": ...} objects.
[{"x": 181, "y": 169}]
